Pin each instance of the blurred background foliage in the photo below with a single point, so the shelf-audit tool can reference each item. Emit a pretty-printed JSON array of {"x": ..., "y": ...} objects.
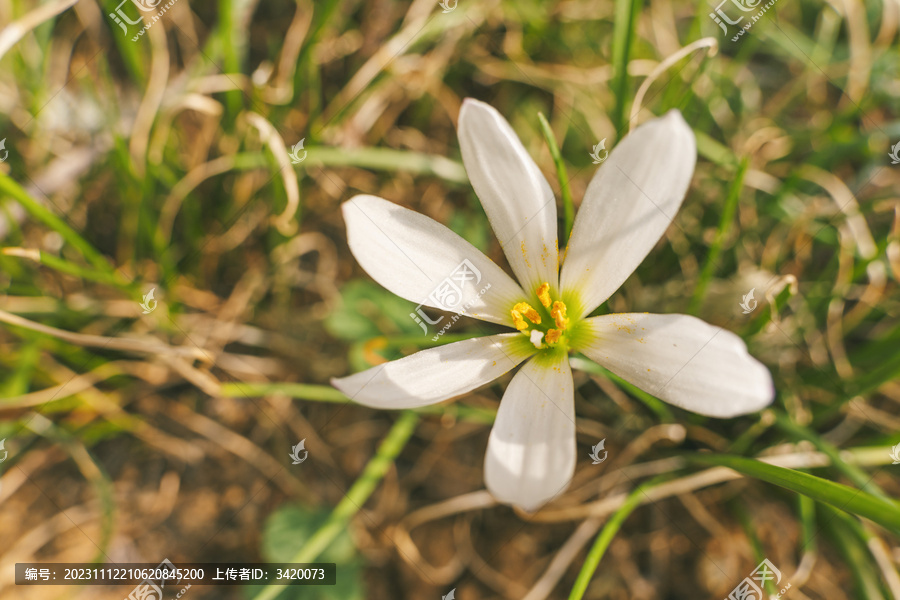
[{"x": 163, "y": 164}]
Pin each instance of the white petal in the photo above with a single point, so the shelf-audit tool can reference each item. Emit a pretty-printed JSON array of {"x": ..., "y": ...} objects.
[
  {"x": 416, "y": 258},
  {"x": 514, "y": 193},
  {"x": 436, "y": 374},
  {"x": 626, "y": 209},
  {"x": 531, "y": 452},
  {"x": 682, "y": 360}
]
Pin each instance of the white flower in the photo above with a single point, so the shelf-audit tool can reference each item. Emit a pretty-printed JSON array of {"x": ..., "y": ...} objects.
[{"x": 626, "y": 209}]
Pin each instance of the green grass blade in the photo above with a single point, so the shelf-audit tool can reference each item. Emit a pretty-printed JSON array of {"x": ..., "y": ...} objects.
[
  {"x": 624, "y": 34},
  {"x": 851, "y": 540},
  {"x": 26, "y": 362},
  {"x": 807, "y": 510},
  {"x": 231, "y": 39},
  {"x": 603, "y": 540},
  {"x": 653, "y": 403},
  {"x": 714, "y": 151},
  {"x": 93, "y": 471},
  {"x": 715, "y": 249},
  {"x": 305, "y": 391},
  {"x": 37, "y": 210},
  {"x": 326, "y": 393},
  {"x": 63, "y": 266},
  {"x": 859, "y": 477},
  {"x": 884, "y": 512},
  {"x": 562, "y": 175},
  {"x": 386, "y": 159},
  {"x": 750, "y": 530},
  {"x": 356, "y": 497}
]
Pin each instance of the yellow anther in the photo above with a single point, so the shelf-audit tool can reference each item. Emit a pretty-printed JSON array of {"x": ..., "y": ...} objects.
[
  {"x": 558, "y": 312},
  {"x": 543, "y": 294},
  {"x": 529, "y": 312},
  {"x": 527, "y": 319},
  {"x": 520, "y": 323}
]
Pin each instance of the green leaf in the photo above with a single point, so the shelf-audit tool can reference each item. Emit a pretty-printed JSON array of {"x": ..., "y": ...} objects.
[
  {"x": 335, "y": 525},
  {"x": 284, "y": 534}
]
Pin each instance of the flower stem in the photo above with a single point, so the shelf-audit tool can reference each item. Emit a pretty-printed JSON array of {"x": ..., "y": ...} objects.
[{"x": 568, "y": 207}]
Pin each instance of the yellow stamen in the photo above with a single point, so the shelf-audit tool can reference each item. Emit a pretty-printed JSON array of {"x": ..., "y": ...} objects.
[
  {"x": 552, "y": 336},
  {"x": 558, "y": 312},
  {"x": 518, "y": 320},
  {"x": 543, "y": 294},
  {"x": 527, "y": 310}
]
